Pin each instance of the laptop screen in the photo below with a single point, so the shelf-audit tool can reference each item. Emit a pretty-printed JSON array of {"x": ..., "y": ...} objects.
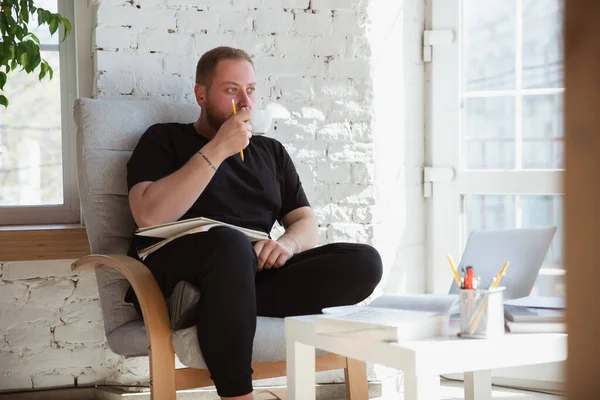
[{"x": 525, "y": 250}]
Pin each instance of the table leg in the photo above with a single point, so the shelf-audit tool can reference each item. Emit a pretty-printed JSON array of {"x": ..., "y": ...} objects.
[
  {"x": 478, "y": 385},
  {"x": 300, "y": 365},
  {"x": 421, "y": 387}
]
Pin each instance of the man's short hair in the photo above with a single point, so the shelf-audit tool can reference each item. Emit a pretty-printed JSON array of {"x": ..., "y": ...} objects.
[{"x": 205, "y": 69}]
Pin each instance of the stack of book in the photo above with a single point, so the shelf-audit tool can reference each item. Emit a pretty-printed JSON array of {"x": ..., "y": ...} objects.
[
  {"x": 535, "y": 315},
  {"x": 389, "y": 318}
]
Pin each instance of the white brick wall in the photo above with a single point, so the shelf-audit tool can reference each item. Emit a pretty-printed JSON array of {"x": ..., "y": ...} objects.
[
  {"x": 313, "y": 23},
  {"x": 273, "y": 21},
  {"x": 334, "y": 4},
  {"x": 346, "y": 79},
  {"x": 51, "y": 327},
  {"x": 192, "y": 20},
  {"x": 136, "y": 16}
]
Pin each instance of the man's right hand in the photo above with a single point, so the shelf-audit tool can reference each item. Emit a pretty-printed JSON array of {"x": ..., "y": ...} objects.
[{"x": 235, "y": 133}]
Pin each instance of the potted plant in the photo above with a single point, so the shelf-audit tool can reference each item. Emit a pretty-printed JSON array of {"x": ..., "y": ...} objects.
[{"x": 20, "y": 48}]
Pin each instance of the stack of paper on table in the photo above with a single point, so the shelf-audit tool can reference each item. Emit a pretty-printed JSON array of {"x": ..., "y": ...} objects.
[
  {"x": 390, "y": 318},
  {"x": 441, "y": 304},
  {"x": 535, "y": 315}
]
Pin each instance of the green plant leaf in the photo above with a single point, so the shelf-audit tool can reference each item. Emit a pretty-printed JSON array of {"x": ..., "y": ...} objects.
[
  {"x": 41, "y": 16},
  {"x": 4, "y": 53},
  {"x": 35, "y": 61},
  {"x": 19, "y": 47},
  {"x": 13, "y": 27},
  {"x": 43, "y": 70},
  {"x": 31, "y": 48},
  {"x": 23, "y": 13},
  {"x": 19, "y": 33},
  {"x": 46, "y": 16},
  {"x": 68, "y": 27},
  {"x": 53, "y": 26},
  {"x": 24, "y": 60},
  {"x": 30, "y": 9},
  {"x": 33, "y": 37},
  {"x": 67, "y": 24}
]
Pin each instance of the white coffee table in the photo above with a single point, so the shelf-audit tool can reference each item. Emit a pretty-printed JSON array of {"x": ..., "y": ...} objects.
[{"x": 422, "y": 362}]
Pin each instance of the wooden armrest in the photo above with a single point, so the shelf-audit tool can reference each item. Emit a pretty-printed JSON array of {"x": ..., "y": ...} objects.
[
  {"x": 141, "y": 279},
  {"x": 150, "y": 297}
]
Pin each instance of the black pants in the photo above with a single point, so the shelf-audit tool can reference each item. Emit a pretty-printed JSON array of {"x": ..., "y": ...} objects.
[{"x": 223, "y": 264}]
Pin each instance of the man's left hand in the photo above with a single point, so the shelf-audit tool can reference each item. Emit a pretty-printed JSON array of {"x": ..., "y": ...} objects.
[{"x": 273, "y": 254}]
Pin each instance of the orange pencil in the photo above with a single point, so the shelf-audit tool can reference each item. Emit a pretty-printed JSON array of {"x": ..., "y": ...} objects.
[{"x": 234, "y": 113}]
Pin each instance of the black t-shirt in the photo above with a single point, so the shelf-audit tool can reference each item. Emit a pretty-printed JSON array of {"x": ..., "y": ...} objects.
[{"x": 253, "y": 193}]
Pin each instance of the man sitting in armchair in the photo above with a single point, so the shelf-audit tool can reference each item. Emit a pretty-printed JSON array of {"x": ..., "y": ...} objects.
[{"x": 180, "y": 171}]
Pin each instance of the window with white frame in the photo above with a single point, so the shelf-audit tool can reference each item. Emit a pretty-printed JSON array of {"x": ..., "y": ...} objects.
[
  {"x": 496, "y": 121},
  {"x": 37, "y": 157}
]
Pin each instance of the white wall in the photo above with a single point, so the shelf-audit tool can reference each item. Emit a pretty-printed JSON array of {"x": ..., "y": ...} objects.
[
  {"x": 346, "y": 79},
  {"x": 52, "y": 326},
  {"x": 353, "y": 127},
  {"x": 397, "y": 76}
]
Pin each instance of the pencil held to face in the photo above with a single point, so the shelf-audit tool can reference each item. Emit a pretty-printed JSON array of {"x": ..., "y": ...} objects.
[{"x": 234, "y": 113}]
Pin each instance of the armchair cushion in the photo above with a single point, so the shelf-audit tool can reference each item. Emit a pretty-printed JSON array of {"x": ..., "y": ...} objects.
[
  {"x": 107, "y": 133},
  {"x": 129, "y": 339},
  {"x": 269, "y": 343}
]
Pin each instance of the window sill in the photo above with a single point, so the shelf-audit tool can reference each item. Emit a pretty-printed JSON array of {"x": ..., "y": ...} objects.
[{"x": 43, "y": 242}]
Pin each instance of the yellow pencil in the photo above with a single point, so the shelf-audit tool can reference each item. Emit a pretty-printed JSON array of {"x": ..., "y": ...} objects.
[
  {"x": 454, "y": 271},
  {"x": 234, "y": 113},
  {"x": 500, "y": 275}
]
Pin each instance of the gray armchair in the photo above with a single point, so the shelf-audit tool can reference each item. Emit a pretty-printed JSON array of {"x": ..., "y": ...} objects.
[{"x": 107, "y": 132}]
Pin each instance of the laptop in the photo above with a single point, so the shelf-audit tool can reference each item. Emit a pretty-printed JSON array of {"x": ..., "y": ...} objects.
[{"x": 525, "y": 249}]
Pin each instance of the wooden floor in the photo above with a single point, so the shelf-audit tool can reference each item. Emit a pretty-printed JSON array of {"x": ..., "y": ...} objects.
[
  {"x": 454, "y": 391},
  {"x": 450, "y": 391},
  {"x": 60, "y": 394}
]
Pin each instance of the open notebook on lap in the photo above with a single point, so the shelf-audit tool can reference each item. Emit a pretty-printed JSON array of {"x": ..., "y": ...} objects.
[{"x": 525, "y": 249}]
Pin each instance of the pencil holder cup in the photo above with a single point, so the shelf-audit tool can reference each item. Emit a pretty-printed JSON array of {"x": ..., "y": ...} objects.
[{"x": 482, "y": 313}]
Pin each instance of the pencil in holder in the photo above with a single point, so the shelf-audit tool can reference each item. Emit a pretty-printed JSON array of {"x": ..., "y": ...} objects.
[{"x": 482, "y": 313}]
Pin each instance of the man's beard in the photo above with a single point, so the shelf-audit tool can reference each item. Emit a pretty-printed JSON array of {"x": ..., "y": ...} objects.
[{"x": 212, "y": 117}]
